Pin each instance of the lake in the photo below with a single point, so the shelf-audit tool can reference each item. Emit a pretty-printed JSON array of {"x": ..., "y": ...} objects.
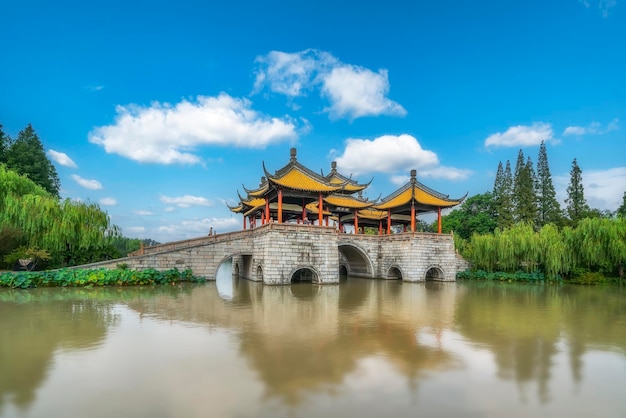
[{"x": 363, "y": 348}]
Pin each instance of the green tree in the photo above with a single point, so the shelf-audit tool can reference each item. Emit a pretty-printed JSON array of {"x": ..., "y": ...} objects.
[
  {"x": 524, "y": 197},
  {"x": 476, "y": 215},
  {"x": 621, "y": 211},
  {"x": 26, "y": 155},
  {"x": 577, "y": 207},
  {"x": 4, "y": 144},
  {"x": 63, "y": 228},
  {"x": 548, "y": 208},
  {"x": 502, "y": 190}
]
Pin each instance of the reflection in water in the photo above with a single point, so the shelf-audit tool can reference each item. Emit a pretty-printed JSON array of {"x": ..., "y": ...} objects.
[{"x": 311, "y": 350}]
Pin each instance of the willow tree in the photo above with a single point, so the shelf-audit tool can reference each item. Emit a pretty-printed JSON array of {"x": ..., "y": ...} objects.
[
  {"x": 60, "y": 227},
  {"x": 601, "y": 244}
]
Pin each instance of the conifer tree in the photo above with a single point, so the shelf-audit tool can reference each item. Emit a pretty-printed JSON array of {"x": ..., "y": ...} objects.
[
  {"x": 621, "y": 211},
  {"x": 577, "y": 207},
  {"x": 502, "y": 196},
  {"x": 524, "y": 197},
  {"x": 26, "y": 156},
  {"x": 4, "y": 144},
  {"x": 549, "y": 210}
]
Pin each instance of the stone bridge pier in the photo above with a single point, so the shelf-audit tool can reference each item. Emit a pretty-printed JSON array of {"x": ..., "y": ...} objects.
[{"x": 286, "y": 253}]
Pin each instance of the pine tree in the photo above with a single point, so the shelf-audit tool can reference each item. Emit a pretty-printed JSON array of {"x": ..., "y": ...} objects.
[
  {"x": 502, "y": 196},
  {"x": 524, "y": 197},
  {"x": 549, "y": 210},
  {"x": 577, "y": 207},
  {"x": 26, "y": 155},
  {"x": 4, "y": 144},
  {"x": 621, "y": 211}
]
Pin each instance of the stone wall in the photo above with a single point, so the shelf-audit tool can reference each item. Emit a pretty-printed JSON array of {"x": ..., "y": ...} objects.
[{"x": 273, "y": 252}]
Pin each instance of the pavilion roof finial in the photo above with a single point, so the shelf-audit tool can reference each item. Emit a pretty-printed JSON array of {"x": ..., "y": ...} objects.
[
  {"x": 333, "y": 166},
  {"x": 413, "y": 175},
  {"x": 292, "y": 154}
]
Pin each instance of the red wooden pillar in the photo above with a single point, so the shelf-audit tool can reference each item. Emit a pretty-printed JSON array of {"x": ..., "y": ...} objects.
[
  {"x": 356, "y": 222},
  {"x": 439, "y": 220},
  {"x": 280, "y": 206},
  {"x": 244, "y": 222},
  {"x": 267, "y": 209},
  {"x": 263, "y": 216},
  {"x": 303, "y": 211},
  {"x": 380, "y": 227},
  {"x": 412, "y": 216},
  {"x": 320, "y": 207},
  {"x": 388, "y": 221}
]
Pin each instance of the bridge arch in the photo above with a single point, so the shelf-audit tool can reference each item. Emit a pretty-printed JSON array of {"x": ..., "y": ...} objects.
[
  {"x": 394, "y": 273},
  {"x": 355, "y": 260},
  {"x": 434, "y": 273},
  {"x": 304, "y": 274}
]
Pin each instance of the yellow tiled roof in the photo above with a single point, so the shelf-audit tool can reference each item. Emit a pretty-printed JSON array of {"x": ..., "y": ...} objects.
[
  {"x": 346, "y": 202},
  {"x": 295, "y": 179},
  {"x": 421, "y": 196}
]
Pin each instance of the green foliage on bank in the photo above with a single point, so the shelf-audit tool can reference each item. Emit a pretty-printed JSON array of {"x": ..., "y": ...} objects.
[
  {"x": 499, "y": 276},
  {"x": 587, "y": 254},
  {"x": 95, "y": 277}
]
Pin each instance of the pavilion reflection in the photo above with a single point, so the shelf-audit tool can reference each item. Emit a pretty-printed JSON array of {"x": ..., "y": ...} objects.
[{"x": 307, "y": 338}]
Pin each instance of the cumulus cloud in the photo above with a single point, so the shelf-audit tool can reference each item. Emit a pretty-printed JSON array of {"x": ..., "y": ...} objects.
[
  {"x": 352, "y": 91},
  {"x": 136, "y": 229},
  {"x": 603, "y": 5},
  {"x": 385, "y": 154},
  {"x": 521, "y": 135},
  {"x": 189, "y": 228},
  {"x": 143, "y": 212},
  {"x": 186, "y": 201},
  {"x": 604, "y": 189},
  {"x": 594, "y": 128},
  {"x": 108, "y": 201},
  {"x": 442, "y": 172},
  {"x": 61, "y": 158},
  {"x": 166, "y": 134},
  {"x": 87, "y": 184}
]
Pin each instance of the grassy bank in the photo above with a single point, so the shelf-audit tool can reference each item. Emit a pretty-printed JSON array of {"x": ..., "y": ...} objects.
[
  {"x": 579, "y": 276},
  {"x": 94, "y": 277}
]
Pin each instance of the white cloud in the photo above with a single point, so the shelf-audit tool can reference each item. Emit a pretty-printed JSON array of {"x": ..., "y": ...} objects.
[
  {"x": 166, "y": 134},
  {"x": 94, "y": 88},
  {"x": 87, "y": 184},
  {"x": 186, "y": 201},
  {"x": 61, "y": 158},
  {"x": 604, "y": 189},
  {"x": 352, "y": 91},
  {"x": 442, "y": 172},
  {"x": 143, "y": 212},
  {"x": 187, "y": 228},
  {"x": 385, "y": 154},
  {"x": 521, "y": 135},
  {"x": 603, "y": 5},
  {"x": 108, "y": 201},
  {"x": 594, "y": 128},
  {"x": 355, "y": 92},
  {"x": 400, "y": 180},
  {"x": 136, "y": 229}
]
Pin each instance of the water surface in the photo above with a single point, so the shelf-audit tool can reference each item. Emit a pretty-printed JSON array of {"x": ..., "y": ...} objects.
[{"x": 366, "y": 348}]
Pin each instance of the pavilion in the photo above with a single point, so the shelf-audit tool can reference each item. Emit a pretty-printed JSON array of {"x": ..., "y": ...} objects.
[{"x": 296, "y": 193}]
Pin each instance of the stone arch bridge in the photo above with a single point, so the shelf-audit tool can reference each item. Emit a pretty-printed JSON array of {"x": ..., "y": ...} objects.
[{"x": 283, "y": 253}]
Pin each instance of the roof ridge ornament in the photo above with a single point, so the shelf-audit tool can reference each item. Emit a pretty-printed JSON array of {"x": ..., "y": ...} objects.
[
  {"x": 413, "y": 175},
  {"x": 292, "y": 154}
]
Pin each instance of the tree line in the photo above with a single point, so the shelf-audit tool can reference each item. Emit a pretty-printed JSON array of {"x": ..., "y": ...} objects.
[
  {"x": 36, "y": 224},
  {"x": 520, "y": 225}
]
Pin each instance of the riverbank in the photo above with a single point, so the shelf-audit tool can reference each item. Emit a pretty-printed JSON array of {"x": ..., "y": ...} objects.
[
  {"x": 94, "y": 277},
  {"x": 582, "y": 277}
]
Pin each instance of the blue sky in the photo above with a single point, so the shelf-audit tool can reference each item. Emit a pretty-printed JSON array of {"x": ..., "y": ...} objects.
[{"x": 161, "y": 111}]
